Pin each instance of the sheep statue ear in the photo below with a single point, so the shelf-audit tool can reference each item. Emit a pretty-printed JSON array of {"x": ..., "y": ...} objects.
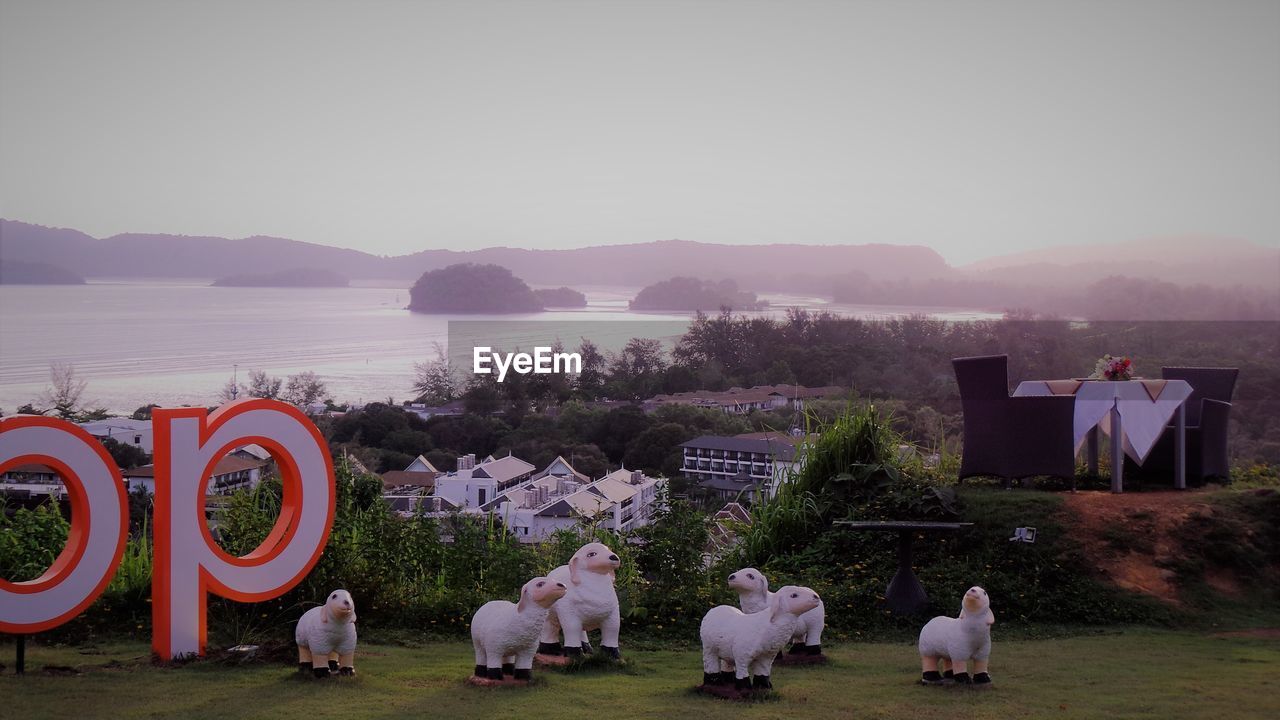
[
  {"x": 776, "y": 605},
  {"x": 524, "y": 600},
  {"x": 324, "y": 613},
  {"x": 991, "y": 617},
  {"x": 573, "y": 571},
  {"x": 764, "y": 584}
]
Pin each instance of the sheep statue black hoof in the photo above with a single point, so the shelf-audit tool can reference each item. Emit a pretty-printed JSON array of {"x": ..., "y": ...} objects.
[
  {"x": 347, "y": 671},
  {"x": 611, "y": 652},
  {"x": 801, "y": 654},
  {"x": 931, "y": 677},
  {"x": 320, "y": 672}
]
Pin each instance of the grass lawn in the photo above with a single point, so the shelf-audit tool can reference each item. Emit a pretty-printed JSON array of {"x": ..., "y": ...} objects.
[{"x": 1123, "y": 673}]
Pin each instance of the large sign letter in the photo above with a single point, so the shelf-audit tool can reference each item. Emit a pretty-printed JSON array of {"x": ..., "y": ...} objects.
[
  {"x": 188, "y": 563},
  {"x": 99, "y": 523}
]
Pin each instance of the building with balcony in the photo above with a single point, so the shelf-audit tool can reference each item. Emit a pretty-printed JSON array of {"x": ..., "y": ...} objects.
[{"x": 741, "y": 468}]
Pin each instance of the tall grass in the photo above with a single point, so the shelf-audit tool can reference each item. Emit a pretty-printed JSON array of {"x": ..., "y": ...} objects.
[{"x": 852, "y": 455}]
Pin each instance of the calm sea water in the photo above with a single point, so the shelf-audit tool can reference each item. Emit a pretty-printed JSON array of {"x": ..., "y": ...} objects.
[{"x": 178, "y": 342}]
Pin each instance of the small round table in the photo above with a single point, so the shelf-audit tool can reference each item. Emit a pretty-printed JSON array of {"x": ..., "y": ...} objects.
[{"x": 905, "y": 595}]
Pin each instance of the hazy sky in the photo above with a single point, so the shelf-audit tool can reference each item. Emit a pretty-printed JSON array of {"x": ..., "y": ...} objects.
[{"x": 978, "y": 128}]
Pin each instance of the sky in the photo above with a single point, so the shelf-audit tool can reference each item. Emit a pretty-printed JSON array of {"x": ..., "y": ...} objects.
[{"x": 976, "y": 128}]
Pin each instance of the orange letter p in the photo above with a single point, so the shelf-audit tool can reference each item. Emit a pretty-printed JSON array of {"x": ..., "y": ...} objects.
[{"x": 188, "y": 563}]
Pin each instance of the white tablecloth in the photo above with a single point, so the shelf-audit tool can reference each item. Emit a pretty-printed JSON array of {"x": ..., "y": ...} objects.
[{"x": 1141, "y": 418}]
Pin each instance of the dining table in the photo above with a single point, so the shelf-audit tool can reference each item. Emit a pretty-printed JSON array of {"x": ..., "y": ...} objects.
[{"x": 1134, "y": 413}]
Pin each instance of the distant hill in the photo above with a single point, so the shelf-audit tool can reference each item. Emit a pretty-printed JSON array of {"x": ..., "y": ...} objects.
[
  {"x": 1181, "y": 260},
  {"x": 296, "y": 277},
  {"x": 23, "y": 273},
  {"x": 635, "y": 265},
  {"x": 561, "y": 297},
  {"x": 174, "y": 256},
  {"x": 686, "y": 293},
  {"x": 472, "y": 288}
]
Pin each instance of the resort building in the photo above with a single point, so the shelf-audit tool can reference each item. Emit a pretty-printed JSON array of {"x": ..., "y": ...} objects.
[
  {"x": 741, "y": 401},
  {"x": 561, "y": 497},
  {"x": 741, "y": 468}
]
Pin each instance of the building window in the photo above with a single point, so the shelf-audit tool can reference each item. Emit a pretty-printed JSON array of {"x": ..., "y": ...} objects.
[
  {"x": 481, "y": 491},
  {"x": 137, "y": 439}
]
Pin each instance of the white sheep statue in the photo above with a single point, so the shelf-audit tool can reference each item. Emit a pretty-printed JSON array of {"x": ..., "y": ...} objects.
[
  {"x": 957, "y": 641},
  {"x": 753, "y": 596},
  {"x": 505, "y": 634},
  {"x": 591, "y": 602},
  {"x": 751, "y": 641},
  {"x": 326, "y": 636}
]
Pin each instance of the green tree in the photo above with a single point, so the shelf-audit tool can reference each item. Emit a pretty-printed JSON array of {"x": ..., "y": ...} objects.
[
  {"x": 303, "y": 389},
  {"x": 125, "y": 456}
]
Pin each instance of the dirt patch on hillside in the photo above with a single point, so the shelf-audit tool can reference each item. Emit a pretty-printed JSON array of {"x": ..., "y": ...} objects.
[{"x": 1130, "y": 537}]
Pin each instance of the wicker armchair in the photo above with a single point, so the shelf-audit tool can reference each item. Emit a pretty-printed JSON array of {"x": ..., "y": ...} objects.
[{"x": 1011, "y": 437}]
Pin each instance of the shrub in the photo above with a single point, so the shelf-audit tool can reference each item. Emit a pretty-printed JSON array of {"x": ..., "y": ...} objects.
[{"x": 30, "y": 540}]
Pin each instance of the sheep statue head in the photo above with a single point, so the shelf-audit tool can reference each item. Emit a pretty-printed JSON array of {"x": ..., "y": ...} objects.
[
  {"x": 976, "y": 603},
  {"x": 750, "y": 581},
  {"x": 339, "y": 607},
  {"x": 540, "y": 591},
  {"x": 795, "y": 600},
  {"x": 594, "y": 558}
]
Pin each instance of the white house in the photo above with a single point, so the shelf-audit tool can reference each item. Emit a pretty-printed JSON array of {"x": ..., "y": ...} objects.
[
  {"x": 561, "y": 497},
  {"x": 123, "y": 430},
  {"x": 32, "y": 480},
  {"x": 474, "y": 484},
  {"x": 230, "y": 474}
]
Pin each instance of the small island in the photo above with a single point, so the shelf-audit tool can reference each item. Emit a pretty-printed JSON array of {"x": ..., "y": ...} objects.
[
  {"x": 472, "y": 288},
  {"x": 561, "y": 297},
  {"x": 689, "y": 294},
  {"x": 24, "y": 273},
  {"x": 293, "y": 278}
]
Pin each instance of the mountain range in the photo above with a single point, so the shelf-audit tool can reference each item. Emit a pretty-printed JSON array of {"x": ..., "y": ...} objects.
[{"x": 785, "y": 267}]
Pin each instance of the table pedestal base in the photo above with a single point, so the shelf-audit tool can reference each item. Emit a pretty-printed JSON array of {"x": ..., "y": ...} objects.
[{"x": 905, "y": 595}]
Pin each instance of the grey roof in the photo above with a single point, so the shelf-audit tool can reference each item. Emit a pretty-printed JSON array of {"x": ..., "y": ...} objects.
[
  {"x": 560, "y": 509},
  {"x": 783, "y": 451}
]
